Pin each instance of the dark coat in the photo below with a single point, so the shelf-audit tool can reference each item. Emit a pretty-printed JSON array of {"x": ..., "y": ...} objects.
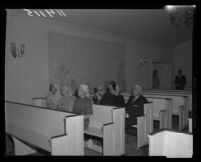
[
  {"x": 180, "y": 82},
  {"x": 119, "y": 101},
  {"x": 107, "y": 99},
  {"x": 134, "y": 109}
]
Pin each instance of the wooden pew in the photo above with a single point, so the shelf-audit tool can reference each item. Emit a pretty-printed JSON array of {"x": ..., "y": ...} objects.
[
  {"x": 144, "y": 125},
  {"x": 39, "y": 101},
  {"x": 162, "y": 108},
  {"x": 108, "y": 123},
  {"x": 184, "y": 93},
  {"x": 58, "y": 132},
  {"x": 172, "y": 144},
  {"x": 178, "y": 106}
]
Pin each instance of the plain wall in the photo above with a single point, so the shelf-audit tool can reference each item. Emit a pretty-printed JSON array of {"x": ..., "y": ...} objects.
[
  {"x": 137, "y": 74},
  {"x": 27, "y": 76},
  {"x": 183, "y": 60},
  {"x": 88, "y": 61}
]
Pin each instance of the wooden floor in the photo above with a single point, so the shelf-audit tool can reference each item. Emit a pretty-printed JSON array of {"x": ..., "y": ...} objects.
[{"x": 130, "y": 147}]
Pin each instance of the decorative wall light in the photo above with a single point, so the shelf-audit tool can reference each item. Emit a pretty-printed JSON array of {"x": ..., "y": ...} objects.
[
  {"x": 17, "y": 51},
  {"x": 45, "y": 12},
  {"x": 143, "y": 60}
]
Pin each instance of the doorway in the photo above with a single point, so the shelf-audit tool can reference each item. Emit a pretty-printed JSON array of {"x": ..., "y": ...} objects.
[{"x": 164, "y": 74}]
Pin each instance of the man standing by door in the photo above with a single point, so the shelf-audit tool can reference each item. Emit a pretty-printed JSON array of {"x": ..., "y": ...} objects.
[
  {"x": 155, "y": 80},
  {"x": 180, "y": 80}
]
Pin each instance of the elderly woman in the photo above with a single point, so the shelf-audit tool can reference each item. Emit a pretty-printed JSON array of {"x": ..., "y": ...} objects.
[
  {"x": 83, "y": 105},
  {"x": 66, "y": 102},
  {"x": 53, "y": 96}
]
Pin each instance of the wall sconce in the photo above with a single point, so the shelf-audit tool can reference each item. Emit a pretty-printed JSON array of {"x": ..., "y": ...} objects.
[
  {"x": 16, "y": 51},
  {"x": 143, "y": 60}
]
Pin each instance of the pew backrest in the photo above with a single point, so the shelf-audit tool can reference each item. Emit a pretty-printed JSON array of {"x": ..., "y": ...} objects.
[
  {"x": 34, "y": 124},
  {"x": 159, "y": 104},
  {"x": 101, "y": 115}
]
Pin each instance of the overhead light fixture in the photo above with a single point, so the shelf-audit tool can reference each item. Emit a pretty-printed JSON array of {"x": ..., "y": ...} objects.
[
  {"x": 45, "y": 13},
  {"x": 170, "y": 7},
  {"x": 181, "y": 15}
]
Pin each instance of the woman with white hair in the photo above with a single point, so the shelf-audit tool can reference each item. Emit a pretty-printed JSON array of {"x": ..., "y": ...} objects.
[
  {"x": 118, "y": 99},
  {"x": 66, "y": 102},
  {"x": 83, "y": 105},
  {"x": 53, "y": 96}
]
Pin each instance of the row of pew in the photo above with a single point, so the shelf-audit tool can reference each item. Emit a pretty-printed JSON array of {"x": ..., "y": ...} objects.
[
  {"x": 62, "y": 133},
  {"x": 168, "y": 103}
]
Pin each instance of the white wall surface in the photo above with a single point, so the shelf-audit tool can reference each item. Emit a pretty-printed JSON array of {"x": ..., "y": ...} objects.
[
  {"x": 136, "y": 74},
  {"x": 89, "y": 61},
  {"x": 26, "y": 77}
]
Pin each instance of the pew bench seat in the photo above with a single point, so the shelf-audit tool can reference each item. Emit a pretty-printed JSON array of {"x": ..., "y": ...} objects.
[{"x": 107, "y": 124}]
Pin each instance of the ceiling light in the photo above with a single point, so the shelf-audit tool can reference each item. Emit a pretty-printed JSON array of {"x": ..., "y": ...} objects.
[{"x": 170, "y": 7}]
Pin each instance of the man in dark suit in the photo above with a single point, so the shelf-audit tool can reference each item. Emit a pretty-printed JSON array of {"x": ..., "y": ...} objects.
[
  {"x": 135, "y": 106},
  {"x": 180, "y": 80}
]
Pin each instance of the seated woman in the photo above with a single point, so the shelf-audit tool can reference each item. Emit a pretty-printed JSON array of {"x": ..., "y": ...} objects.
[
  {"x": 66, "y": 102},
  {"x": 53, "y": 96},
  {"x": 112, "y": 87},
  {"x": 83, "y": 105},
  {"x": 117, "y": 98},
  {"x": 103, "y": 97},
  {"x": 134, "y": 106}
]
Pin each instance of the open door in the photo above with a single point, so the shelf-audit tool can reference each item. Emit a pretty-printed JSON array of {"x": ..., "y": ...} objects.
[{"x": 164, "y": 74}]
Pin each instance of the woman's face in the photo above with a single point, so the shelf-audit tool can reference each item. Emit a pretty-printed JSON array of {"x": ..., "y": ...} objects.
[
  {"x": 111, "y": 88},
  {"x": 80, "y": 92},
  {"x": 117, "y": 89}
]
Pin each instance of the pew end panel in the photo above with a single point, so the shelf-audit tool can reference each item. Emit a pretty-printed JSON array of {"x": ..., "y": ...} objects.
[
  {"x": 163, "y": 119},
  {"x": 108, "y": 123},
  {"x": 190, "y": 128},
  {"x": 72, "y": 143},
  {"x": 172, "y": 144},
  {"x": 144, "y": 125},
  {"x": 42, "y": 127},
  {"x": 141, "y": 131},
  {"x": 161, "y": 111},
  {"x": 119, "y": 124},
  {"x": 109, "y": 139}
]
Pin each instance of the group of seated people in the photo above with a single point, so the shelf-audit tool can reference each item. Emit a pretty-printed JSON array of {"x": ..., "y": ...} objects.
[
  {"x": 63, "y": 99},
  {"x": 109, "y": 95}
]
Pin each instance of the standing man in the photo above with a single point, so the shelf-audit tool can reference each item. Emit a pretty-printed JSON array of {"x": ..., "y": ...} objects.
[
  {"x": 155, "y": 80},
  {"x": 180, "y": 80}
]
